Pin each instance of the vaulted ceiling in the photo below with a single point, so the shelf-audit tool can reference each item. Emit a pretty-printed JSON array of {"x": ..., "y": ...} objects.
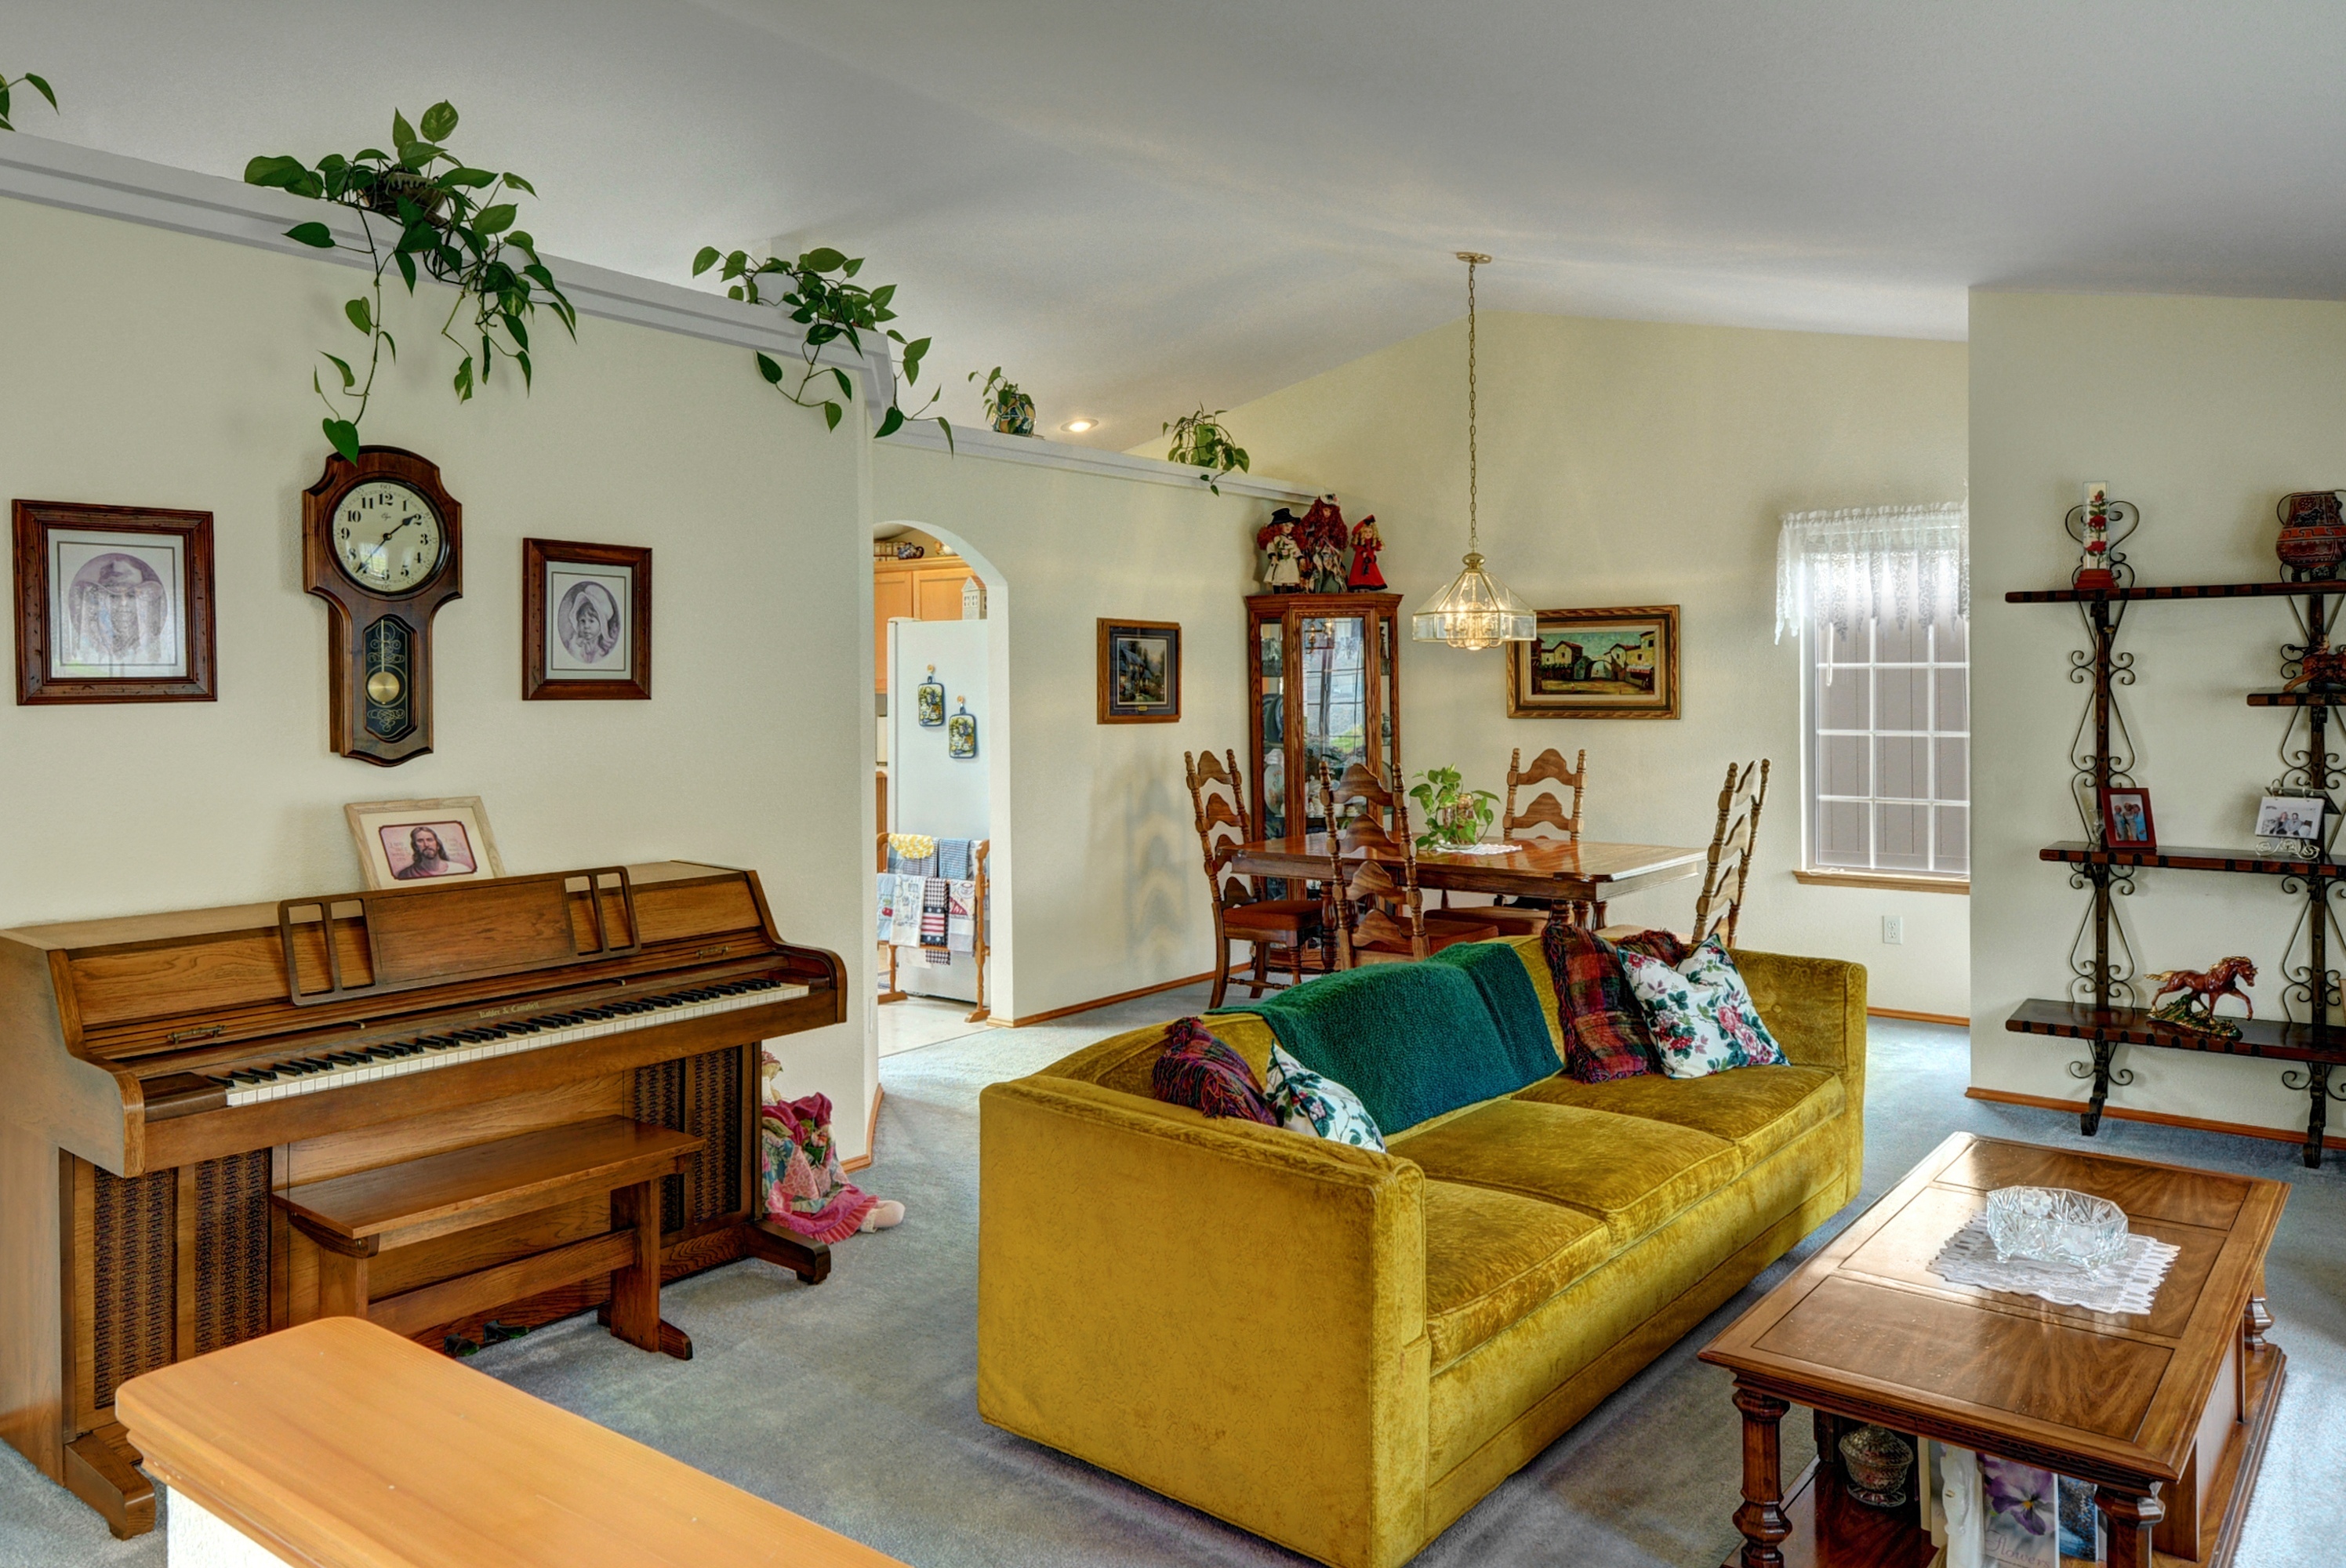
[{"x": 1139, "y": 208}]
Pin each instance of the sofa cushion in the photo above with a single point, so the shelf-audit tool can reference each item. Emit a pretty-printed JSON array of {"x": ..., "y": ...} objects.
[
  {"x": 1631, "y": 1173},
  {"x": 1411, "y": 1040},
  {"x": 1491, "y": 1257},
  {"x": 1758, "y": 1109},
  {"x": 1700, "y": 1013}
]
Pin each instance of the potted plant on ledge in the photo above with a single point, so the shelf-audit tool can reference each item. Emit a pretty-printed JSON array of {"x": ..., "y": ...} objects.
[{"x": 1456, "y": 816}]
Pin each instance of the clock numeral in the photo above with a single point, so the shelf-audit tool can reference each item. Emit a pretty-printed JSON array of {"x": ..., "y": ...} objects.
[{"x": 346, "y": 533}]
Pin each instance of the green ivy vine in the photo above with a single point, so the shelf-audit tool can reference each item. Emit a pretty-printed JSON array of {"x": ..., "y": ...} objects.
[{"x": 452, "y": 221}]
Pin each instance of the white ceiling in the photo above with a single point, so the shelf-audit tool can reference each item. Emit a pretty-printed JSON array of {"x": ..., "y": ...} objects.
[{"x": 1138, "y": 207}]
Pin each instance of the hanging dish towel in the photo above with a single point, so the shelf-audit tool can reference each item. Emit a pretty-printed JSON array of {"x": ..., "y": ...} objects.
[
  {"x": 887, "y": 905},
  {"x": 933, "y": 894},
  {"x": 954, "y": 859},
  {"x": 961, "y": 918}
]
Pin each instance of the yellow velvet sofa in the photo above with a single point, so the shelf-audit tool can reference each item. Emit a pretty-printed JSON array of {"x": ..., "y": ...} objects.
[{"x": 1342, "y": 1350}]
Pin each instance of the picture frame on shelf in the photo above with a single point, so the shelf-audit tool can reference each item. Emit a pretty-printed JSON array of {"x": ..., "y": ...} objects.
[
  {"x": 2126, "y": 822},
  {"x": 1140, "y": 672},
  {"x": 586, "y": 621},
  {"x": 1619, "y": 663},
  {"x": 2295, "y": 824},
  {"x": 114, "y": 604},
  {"x": 404, "y": 843}
]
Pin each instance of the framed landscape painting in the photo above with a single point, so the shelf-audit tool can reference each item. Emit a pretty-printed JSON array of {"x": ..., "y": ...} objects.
[
  {"x": 1140, "y": 672},
  {"x": 1597, "y": 664}
]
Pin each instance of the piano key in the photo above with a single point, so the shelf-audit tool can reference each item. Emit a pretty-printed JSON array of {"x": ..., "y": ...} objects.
[{"x": 337, "y": 1069}]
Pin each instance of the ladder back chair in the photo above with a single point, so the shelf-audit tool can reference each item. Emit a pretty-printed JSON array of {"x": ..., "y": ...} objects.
[
  {"x": 1271, "y": 928},
  {"x": 1719, "y": 906},
  {"x": 1377, "y": 918},
  {"x": 1544, "y": 810}
]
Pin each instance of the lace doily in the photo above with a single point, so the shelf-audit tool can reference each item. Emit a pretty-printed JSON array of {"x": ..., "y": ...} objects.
[
  {"x": 2127, "y": 1286},
  {"x": 1478, "y": 850}
]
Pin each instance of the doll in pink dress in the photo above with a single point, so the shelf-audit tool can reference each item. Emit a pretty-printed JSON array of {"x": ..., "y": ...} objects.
[{"x": 1366, "y": 543}]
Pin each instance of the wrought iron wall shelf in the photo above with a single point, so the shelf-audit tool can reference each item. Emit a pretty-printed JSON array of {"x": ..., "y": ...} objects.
[{"x": 2101, "y": 1009}]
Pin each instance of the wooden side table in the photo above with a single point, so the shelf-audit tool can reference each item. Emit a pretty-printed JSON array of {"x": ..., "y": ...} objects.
[{"x": 2166, "y": 1412}]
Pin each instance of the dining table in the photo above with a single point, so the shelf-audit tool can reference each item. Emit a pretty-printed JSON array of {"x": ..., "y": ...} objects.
[{"x": 1584, "y": 871}]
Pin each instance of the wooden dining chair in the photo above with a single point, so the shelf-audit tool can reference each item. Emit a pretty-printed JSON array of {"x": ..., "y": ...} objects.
[
  {"x": 1542, "y": 820},
  {"x": 1272, "y": 928},
  {"x": 1728, "y": 869},
  {"x": 1377, "y": 918}
]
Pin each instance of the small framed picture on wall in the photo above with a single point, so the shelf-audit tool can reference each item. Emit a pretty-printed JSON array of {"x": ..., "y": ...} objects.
[
  {"x": 114, "y": 604},
  {"x": 404, "y": 843},
  {"x": 586, "y": 621},
  {"x": 1597, "y": 663},
  {"x": 2126, "y": 819},
  {"x": 1140, "y": 672}
]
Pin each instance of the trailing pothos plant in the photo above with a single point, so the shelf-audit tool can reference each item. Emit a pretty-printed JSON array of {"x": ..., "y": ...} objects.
[
  {"x": 439, "y": 216},
  {"x": 1201, "y": 442},
  {"x": 819, "y": 292},
  {"x": 38, "y": 83},
  {"x": 1454, "y": 815}
]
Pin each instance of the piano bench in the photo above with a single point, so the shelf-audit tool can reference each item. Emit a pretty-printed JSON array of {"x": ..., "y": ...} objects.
[{"x": 355, "y": 1217}]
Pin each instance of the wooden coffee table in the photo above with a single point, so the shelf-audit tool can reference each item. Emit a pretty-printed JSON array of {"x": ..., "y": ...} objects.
[{"x": 2166, "y": 1413}]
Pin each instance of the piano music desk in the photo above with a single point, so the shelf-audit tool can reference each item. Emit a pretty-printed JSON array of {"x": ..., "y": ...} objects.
[
  {"x": 339, "y": 1442},
  {"x": 351, "y": 1219}
]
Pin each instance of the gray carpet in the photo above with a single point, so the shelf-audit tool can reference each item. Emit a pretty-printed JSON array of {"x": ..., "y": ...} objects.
[{"x": 853, "y": 1402}]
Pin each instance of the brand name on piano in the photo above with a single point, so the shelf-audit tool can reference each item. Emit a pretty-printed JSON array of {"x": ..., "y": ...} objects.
[{"x": 516, "y": 1007}]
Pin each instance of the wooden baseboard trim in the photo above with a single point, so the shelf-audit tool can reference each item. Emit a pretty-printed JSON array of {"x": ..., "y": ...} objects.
[
  {"x": 1918, "y": 1017},
  {"x": 2156, "y": 1118},
  {"x": 870, "y": 1133},
  {"x": 1237, "y": 971}
]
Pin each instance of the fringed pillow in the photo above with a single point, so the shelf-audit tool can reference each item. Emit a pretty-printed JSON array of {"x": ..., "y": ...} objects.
[
  {"x": 1201, "y": 1073},
  {"x": 1313, "y": 1102},
  {"x": 1605, "y": 1032}
]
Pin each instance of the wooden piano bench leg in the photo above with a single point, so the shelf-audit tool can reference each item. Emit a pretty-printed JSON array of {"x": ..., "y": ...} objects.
[
  {"x": 341, "y": 1269},
  {"x": 779, "y": 1245},
  {"x": 634, "y": 1289}
]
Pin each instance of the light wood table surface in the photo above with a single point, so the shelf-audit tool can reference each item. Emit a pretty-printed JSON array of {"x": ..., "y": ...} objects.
[
  {"x": 338, "y": 1442},
  {"x": 2166, "y": 1412},
  {"x": 1587, "y": 872}
]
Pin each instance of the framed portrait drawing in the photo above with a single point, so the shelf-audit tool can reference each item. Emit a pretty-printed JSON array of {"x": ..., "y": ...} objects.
[
  {"x": 1597, "y": 664},
  {"x": 2126, "y": 819},
  {"x": 1140, "y": 672},
  {"x": 114, "y": 604},
  {"x": 406, "y": 843},
  {"x": 586, "y": 621}
]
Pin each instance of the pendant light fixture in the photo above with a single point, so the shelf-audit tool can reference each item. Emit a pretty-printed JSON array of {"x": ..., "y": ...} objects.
[{"x": 1476, "y": 611}]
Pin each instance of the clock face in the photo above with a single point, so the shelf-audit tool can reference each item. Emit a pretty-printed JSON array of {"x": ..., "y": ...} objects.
[{"x": 386, "y": 536}]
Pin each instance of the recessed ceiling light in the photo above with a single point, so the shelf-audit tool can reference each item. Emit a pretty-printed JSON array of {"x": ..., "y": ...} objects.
[{"x": 1077, "y": 426}]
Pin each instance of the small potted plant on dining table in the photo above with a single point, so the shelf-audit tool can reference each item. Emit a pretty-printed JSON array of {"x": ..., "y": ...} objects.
[{"x": 1454, "y": 815}]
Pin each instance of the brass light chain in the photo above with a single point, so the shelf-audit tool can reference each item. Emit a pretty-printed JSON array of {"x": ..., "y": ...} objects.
[{"x": 1472, "y": 259}]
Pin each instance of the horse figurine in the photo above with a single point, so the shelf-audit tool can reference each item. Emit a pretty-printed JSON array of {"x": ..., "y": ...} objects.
[{"x": 2205, "y": 989}]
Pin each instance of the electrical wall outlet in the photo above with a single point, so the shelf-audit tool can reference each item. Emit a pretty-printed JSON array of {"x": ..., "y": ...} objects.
[{"x": 1894, "y": 929}]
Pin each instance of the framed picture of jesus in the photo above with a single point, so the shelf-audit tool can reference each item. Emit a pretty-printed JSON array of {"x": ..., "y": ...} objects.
[{"x": 1597, "y": 664}]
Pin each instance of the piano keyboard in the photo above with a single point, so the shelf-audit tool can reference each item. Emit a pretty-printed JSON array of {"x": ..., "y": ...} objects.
[{"x": 393, "y": 1059}]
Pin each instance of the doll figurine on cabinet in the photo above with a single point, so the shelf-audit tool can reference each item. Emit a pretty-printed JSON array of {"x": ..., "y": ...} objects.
[
  {"x": 1366, "y": 541},
  {"x": 1281, "y": 555},
  {"x": 1322, "y": 540}
]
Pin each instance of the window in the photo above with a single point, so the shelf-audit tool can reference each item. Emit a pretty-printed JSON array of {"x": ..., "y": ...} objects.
[{"x": 1888, "y": 774}]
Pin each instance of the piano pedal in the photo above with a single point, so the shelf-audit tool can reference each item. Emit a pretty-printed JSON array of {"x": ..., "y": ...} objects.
[
  {"x": 495, "y": 1333},
  {"x": 457, "y": 1345}
]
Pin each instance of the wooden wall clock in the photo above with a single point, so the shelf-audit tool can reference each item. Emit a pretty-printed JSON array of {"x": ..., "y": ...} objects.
[{"x": 382, "y": 543}]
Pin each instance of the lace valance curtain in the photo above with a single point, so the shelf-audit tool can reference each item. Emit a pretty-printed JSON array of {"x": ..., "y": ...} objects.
[{"x": 1841, "y": 569}]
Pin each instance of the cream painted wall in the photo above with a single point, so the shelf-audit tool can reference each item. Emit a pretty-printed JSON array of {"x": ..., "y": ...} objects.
[
  {"x": 186, "y": 387},
  {"x": 1627, "y": 463},
  {"x": 1105, "y": 894},
  {"x": 2203, "y": 412}
]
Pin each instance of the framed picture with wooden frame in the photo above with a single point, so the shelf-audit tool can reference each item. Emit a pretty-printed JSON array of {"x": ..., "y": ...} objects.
[
  {"x": 114, "y": 604},
  {"x": 1597, "y": 664},
  {"x": 586, "y": 621},
  {"x": 1140, "y": 672},
  {"x": 423, "y": 841}
]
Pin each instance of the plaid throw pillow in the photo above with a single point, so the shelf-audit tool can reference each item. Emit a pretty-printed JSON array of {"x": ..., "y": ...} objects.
[
  {"x": 1604, "y": 1033},
  {"x": 1201, "y": 1073}
]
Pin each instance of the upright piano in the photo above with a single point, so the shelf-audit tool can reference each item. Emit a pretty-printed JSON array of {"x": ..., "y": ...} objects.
[{"x": 160, "y": 1075}]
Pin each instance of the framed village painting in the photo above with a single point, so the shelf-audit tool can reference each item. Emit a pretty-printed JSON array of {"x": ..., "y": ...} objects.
[
  {"x": 1140, "y": 672},
  {"x": 586, "y": 621},
  {"x": 114, "y": 604},
  {"x": 1597, "y": 664}
]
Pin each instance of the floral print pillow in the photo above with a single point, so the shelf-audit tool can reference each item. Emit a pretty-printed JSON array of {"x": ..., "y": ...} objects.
[
  {"x": 1701, "y": 1013},
  {"x": 1309, "y": 1101}
]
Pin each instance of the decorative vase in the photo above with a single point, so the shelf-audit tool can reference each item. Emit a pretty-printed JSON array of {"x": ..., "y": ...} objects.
[
  {"x": 1875, "y": 1460},
  {"x": 2312, "y": 534},
  {"x": 1014, "y": 415}
]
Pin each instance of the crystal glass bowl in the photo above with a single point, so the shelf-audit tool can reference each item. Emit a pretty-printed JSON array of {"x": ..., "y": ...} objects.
[{"x": 2054, "y": 1225}]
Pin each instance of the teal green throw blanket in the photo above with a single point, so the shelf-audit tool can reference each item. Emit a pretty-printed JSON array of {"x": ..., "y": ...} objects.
[{"x": 1414, "y": 1040}]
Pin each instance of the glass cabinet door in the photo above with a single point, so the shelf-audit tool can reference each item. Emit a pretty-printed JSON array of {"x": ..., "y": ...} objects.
[
  {"x": 1335, "y": 699},
  {"x": 1273, "y": 720}
]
